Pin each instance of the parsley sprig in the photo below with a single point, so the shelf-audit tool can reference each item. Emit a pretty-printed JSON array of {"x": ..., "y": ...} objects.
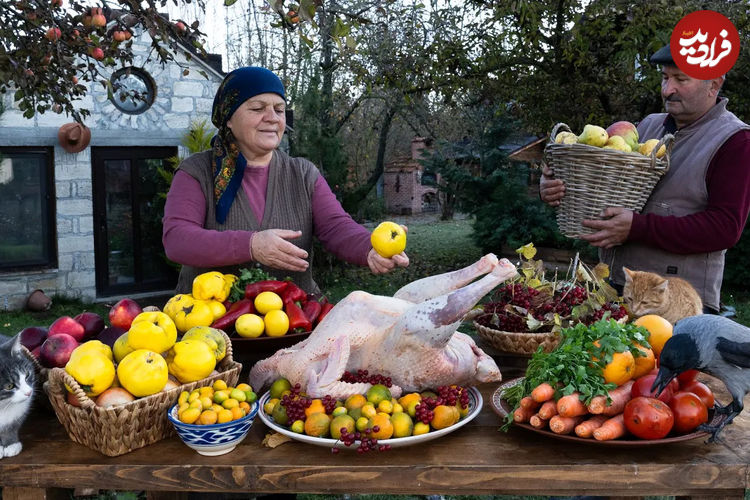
[
  {"x": 576, "y": 364},
  {"x": 246, "y": 277}
]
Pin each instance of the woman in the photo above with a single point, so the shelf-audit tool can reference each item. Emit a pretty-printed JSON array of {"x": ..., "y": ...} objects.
[{"x": 246, "y": 202}]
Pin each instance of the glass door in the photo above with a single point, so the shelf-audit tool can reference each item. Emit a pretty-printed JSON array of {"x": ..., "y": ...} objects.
[{"x": 128, "y": 207}]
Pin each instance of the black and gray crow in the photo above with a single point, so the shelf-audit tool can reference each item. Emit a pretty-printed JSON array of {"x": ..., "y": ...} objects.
[{"x": 714, "y": 345}]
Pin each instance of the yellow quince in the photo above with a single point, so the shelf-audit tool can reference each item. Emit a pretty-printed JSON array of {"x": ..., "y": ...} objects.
[
  {"x": 211, "y": 286},
  {"x": 190, "y": 360},
  {"x": 93, "y": 371},
  {"x": 176, "y": 303},
  {"x": 143, "y": 372},
  {"x": 211, "y": 336},
  {"x": 152, "y": 330},
  {"x": 197, "y": 313},
  {"x": 93, "y": 346},
  {"x": 121, "y": 347}
]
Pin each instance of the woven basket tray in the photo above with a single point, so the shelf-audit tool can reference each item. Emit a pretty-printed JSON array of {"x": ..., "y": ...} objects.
[
  {"x": 521, "y": 343},
  {"x": 597, "y": 178},
  {"x": 120, "y": 429}
]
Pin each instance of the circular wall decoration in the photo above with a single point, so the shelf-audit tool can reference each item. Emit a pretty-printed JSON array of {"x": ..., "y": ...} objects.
[{"x": 133, "y": 90}]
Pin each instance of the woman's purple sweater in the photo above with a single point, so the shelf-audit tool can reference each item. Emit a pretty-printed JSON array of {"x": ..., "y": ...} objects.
[{"x": 337, "y": 231}]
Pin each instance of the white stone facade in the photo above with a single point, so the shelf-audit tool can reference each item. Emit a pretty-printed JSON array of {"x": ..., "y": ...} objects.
[{"x": 180, "y": 100}]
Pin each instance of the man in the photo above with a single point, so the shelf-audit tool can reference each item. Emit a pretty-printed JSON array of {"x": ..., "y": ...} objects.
[{"x": 700, "y": 206}]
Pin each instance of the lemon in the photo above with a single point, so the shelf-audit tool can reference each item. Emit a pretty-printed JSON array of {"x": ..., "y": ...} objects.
[
  {"x": 277, "y": 323},
  {"x": 249, "y": 326},
  {"x": 420, "y": 428},
  {"x": 298, "y": 426},
  {"x": 267, "y": 301}
]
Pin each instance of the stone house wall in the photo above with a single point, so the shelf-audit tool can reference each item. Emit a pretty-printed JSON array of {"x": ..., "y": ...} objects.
[{"x": 180, "y": 99}]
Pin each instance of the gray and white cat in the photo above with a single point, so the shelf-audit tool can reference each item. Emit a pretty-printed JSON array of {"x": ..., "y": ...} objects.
[{"x": 17, "y": 378}]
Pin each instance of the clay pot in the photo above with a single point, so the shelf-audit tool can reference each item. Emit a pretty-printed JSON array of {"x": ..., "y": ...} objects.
[{"x": 38, "y": 301}]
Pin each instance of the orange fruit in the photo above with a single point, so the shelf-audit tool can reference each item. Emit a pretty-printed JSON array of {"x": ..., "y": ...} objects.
[
  {"x": 316, "y": 406},
  {"x": 659, "y": 329},
  {"x": 237, "y": 413},
  {"x": 190, "y": 415},
  {"x": 402, "y": 425},
  {"x": 643, "y": 364},
  {"x": 408, "y": 398},
  {"x": 444, "y": 416},
  {"x": 384, "y": 425},
  {"x": 224, "y": 416},
  {"x": 620, "y": 369},
  {"x": 355, "y": 401},
  {"x": 208, "y": 417},
  {"x": 340, "y": 421},
  {"x": 318, "y": 425}
]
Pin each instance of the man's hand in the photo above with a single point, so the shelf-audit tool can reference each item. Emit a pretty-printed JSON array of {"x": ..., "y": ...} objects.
[
  {"x": 612, "y": 231},
  {"x": 271, "y": 248},
  {"x": 381, "y": 265},
  {"x": 551, "y": 190}
]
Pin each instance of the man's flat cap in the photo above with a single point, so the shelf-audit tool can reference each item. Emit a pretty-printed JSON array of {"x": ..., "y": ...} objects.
[{"x": 662, "y": 56}]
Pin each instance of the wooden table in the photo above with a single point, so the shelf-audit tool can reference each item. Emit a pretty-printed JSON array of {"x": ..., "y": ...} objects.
[{"x": 477, "y": 459}]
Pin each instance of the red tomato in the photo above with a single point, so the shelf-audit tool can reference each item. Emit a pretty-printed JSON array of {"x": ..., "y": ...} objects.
[
  {"x": 642, "y": 387},
  {"x": 687, "y": 377},
  {"x": 702, "y": 391},
  {"x": 648, "y": 418},
  {"x": 689, "y": 412}
]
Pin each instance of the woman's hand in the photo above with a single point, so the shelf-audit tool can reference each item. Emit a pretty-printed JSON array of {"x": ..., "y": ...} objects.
[
  {"x": 271, "y": 248},
  {"x": 381, "y": 265},
  {"x": 551, "y": 190}
]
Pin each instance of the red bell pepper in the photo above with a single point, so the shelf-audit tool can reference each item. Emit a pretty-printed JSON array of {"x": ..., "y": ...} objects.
[
  {"x": 243, "y": 306},
  {"x": 325, "y": 309},
  {"x": 293, "y": 293},
  {"x": 275, "y": 286},
  {"x": 298, "y": 322},
  {"x": 312, "y": 310}
]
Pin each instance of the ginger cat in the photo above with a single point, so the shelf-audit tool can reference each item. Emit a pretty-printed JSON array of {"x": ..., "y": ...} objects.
[{"x": 671, "y": 298}]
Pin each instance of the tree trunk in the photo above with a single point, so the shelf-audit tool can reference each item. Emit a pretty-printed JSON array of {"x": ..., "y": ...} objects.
[{"x": 351, "y": 200}]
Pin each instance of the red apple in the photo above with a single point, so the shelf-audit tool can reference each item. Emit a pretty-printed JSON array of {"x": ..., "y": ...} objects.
[
  {"x": 627, "y": 131},
  {"x": 74, "y": 80},
  {"x": 53, "y": 34},
  {"x": 109, "y": 335},
  {"x": 119, "y": 36},
  {"x": 114, "y": 396},
  {"x": 66, "y": 324},
  {"x": 180, "y": 27},
  {"x": 92, "y": 323},
  {"x": 97, "y": 53},
  {"x": 56, "y": 350},
  {"x": 98, "y": 19},
  {"x": 123, "y": 313},
  {"x": 33, "y": 336}
]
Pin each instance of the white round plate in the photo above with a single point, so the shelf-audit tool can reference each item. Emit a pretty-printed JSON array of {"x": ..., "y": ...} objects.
[{"x": 475, "y": 405}]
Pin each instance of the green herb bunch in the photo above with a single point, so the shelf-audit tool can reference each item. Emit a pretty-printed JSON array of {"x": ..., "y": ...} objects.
[
  {"x": 246, "y": 277},
  {"x": 576, "y": 364}
]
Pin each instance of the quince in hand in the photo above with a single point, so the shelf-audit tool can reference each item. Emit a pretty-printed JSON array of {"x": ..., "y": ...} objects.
[{"x": 388, "y": 239}]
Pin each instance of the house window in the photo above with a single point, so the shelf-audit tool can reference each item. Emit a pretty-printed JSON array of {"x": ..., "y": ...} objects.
[{"x": 27, "y": 209}]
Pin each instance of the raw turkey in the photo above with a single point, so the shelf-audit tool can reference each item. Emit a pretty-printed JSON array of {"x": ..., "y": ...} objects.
[{"x": 410, "y": 337}]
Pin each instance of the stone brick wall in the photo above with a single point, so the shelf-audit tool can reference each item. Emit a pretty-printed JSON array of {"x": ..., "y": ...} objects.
[{"x": 180, "y": 99}]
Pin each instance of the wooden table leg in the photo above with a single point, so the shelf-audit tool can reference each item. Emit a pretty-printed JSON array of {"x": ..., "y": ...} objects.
[{"x": 20, "y": 493}]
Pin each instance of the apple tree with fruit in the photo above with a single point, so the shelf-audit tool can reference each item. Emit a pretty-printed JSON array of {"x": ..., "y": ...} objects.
[{"x": 52, "y": 50}]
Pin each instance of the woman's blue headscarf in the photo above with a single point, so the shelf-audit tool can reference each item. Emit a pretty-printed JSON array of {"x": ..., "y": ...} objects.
[{"x": 228, "y": 162}]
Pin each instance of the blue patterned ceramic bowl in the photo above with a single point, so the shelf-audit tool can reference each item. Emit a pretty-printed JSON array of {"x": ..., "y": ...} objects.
[{"x": 215, "y": 439}]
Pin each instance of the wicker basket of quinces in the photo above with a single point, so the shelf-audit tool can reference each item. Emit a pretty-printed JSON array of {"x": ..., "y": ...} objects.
[
  {"x": 117, "y": 402},
  {"x": 527, "y": 313},
  {"x": 603, "y": 168}
]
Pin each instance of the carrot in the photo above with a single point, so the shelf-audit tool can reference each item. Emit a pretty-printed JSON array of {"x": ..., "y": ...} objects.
[
  {"x": 521, "y": 415},
  {"x": 537, "y": 422},
  {"x": 571, "y": 406},
  {"x": 619, "y": 396},
  {"x": 611, "y": 429},
  {"x": 563, "y": 425},
  {"x": 586, "y": 428},
  {"x": 547, "y": 410},
  {"x": 542, "y": 392},
  {"x": 529, "y": 403}
]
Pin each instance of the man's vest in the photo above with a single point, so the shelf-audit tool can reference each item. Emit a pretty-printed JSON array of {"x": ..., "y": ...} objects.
[
  {"x": 291, "y": 182},
  {"x": 681, "y": 191}
]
